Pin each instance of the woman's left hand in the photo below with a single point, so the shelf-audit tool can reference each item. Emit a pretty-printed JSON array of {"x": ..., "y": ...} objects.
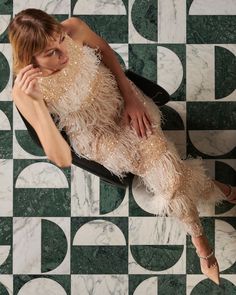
[{"x": 136, "y": 115}]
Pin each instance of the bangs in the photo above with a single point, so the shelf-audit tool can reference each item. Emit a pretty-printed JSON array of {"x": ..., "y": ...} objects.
[{"x": 41, "y": 38}]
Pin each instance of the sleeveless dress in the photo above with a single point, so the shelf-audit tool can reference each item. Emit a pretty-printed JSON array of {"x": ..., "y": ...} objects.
[{"x": 86, "y": 101}]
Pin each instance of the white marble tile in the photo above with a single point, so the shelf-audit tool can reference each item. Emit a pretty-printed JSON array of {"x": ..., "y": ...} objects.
[
  {"x": 41, "y": 175},
  {"x": 26, "y": 245},
  {"x": 100, "y": 7},
  {"x": 155, "y": 231},
  {"x": 122, "y": 50},
  {"x": 147, "y": 287},
  {"x": 169, "y": 69},
  {"x": 27, "y": 237},
  {"x": 20, "y": 153},
  {"x": 213, "y": 142},
  {"x": 134, "y": 35},
  {"x": 225, "y": 244},
  {"x": 99, "y": 284},
  {"x": 18, "y": 123},
  {"x": 99, "y": 232},
  {"x": 84, "y": 193},
  {"x": 6, "y": 187},
  {"x": 4, "y": 22},
  {"x": 232, "y": 49},
  {"x": 49, "y": 6},
  {"x": 4, "y": 253},
  {"x": 171, "y": 21},
  {"x": 42, "y": 286},
  {"x": 5, "y": 94},
  {"x": 213, "y": 7},
  {"x": 200, "y": 72},
  {"x": 178, "y": 268},
  {"x": 7, "y": 281},
  {"x": 4, "y": 121}
]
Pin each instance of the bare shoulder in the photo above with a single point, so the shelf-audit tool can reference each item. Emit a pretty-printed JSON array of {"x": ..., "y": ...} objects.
[{"x": 74, "y": 28}]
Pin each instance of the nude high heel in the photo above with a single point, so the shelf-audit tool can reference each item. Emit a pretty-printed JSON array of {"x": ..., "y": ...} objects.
[
  {"x": 229, "y": 196},
  {"x": 211, "y": 272}
]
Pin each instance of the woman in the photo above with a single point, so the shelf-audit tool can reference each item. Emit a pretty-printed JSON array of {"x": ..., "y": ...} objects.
[{"x": 68, "y": 70}]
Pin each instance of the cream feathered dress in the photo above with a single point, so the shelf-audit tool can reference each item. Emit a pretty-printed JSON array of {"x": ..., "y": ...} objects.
[{"x": 87, "y": 103}]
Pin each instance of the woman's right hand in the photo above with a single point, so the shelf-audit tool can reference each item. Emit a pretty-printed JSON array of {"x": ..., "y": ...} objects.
[{"x": 26, "y": 80}]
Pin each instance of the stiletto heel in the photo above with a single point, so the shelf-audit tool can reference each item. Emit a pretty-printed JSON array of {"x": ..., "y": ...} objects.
[{"x": 211, "y": 272}]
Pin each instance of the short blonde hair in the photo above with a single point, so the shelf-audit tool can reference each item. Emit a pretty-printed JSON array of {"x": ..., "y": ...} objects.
[{"x": 29, "y": 33}]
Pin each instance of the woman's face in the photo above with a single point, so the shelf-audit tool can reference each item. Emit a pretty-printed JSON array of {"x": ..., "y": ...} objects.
[{"x": 54, "y": 57}]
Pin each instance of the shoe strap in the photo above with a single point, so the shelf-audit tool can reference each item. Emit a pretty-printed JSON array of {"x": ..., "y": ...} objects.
[{"x": 205, "y": 257}]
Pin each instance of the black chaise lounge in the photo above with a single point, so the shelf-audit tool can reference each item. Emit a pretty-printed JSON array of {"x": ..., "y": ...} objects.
[{"x": 151, "y": 89}]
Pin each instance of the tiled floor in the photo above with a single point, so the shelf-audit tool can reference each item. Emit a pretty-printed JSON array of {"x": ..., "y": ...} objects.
[{"x": 63, "y": 231}]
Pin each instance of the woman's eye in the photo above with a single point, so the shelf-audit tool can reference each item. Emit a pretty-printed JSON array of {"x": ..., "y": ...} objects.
[{"x": 51, "y": 53}]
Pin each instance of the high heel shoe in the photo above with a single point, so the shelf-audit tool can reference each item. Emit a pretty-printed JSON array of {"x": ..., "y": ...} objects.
[
  {"x": 230, "y": 194},
  {"x": 211, "y": 272}
]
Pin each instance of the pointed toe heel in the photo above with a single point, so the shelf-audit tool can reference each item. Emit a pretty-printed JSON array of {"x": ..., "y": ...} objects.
[{"x": 211, "y": 272}]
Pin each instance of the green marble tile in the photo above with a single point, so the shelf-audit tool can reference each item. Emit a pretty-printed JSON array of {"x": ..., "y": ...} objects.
[
  {"x": 6, "y": 135},
  {"x": 6, "y": 6},
  {"x": 211, "y": 115},
  {"x": 211, "y": 29},
  {"x": 54, "y": 246},
  {"x": 33, "y": 202},
  {"x": 3, "y": 290},
  {"x": 166, "y": 284},
  {"x": 4, "y": 39},
  {"x": 143, "y": 60},
  {"x": 156, "y": 257},
  {"x": 40, "y": 201},
  {"x": 27, "y": 143},
  {"x": 6, "y": 240},
  {"x": 107, "y": 27},
  {"x": 208, "y": 287},
  {"x": 63, "y": 280},
  {"x": 5, "y": 144},
  {"x": 171, "y": 284},
  {"x": 111, "y": 197},
  {"x": 225, "y": 174},
  {"x": 144, "y": 18},
  {"x": 99, "y": 260},
  {"x": 4, "y": 71},
  {"x": 171, "y": 119},
  {"x": 225, "y": 73}
]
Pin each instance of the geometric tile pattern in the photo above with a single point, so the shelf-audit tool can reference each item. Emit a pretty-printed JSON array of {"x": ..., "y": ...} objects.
[{"x": 64, "y": 231}]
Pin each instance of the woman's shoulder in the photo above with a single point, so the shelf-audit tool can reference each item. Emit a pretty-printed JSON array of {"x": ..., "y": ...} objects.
[{"x": 73, "y": 28}]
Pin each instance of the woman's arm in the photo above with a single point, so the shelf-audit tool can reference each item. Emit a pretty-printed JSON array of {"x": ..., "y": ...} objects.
[
  {"x": 36, "y": 113},
  {"x": 135, "y": 113}
]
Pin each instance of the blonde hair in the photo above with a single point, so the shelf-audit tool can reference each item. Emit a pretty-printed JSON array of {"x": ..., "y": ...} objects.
[{"x": 29, "y": 33}]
